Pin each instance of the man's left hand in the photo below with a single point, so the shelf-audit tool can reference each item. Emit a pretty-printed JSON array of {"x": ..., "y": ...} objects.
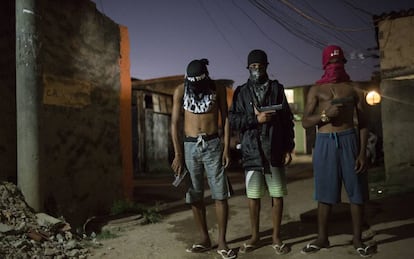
[
  {"x": 225, "y": 160},
  {"x": 360, "y": 164},
  {"x": 288, "y": 159}
]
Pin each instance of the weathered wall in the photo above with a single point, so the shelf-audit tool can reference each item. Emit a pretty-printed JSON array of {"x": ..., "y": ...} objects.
[
  {"x": 80, "y": 121},
  {"x": 398, "y": 124},
  {"x": 396, "y": 42},
  {"x": 152, "y": 118},
  {"x": 7, "y": 92}
]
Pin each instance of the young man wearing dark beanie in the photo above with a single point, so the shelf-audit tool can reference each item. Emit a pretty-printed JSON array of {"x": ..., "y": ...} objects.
[
  {"x": 261, "y": 115},
  {"x": 202, "y": 153}
]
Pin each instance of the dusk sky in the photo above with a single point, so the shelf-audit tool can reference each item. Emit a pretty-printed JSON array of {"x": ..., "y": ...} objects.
[{"x": 166, "y": 35}]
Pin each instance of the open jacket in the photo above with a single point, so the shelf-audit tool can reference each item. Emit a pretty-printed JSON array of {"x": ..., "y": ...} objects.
[{"x": 279, "y": 131}]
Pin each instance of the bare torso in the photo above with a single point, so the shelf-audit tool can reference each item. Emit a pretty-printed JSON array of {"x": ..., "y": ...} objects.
[
  {"x": 344, "y": 117},
  {"x": 197, "y": 123},
  {"x": 347, "y": 115}
]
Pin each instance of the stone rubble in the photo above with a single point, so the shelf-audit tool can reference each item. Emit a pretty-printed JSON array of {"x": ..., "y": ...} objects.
[{"x": 27, "y": 234}]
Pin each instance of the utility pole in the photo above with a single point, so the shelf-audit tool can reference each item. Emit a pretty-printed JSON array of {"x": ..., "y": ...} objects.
[{"x": 28, "y": 98}]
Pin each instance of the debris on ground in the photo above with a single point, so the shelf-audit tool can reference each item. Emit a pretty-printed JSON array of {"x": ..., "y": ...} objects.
[{"x": 27, "y": 234}]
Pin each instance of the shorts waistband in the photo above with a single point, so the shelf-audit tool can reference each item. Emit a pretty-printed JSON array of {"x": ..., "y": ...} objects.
[
  {"x": 337, "y": 134},
  {"x": 205, "y": 137}
]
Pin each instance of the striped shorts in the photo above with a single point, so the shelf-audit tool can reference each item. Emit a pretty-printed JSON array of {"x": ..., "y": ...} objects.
[{"x": 257, "y": 182}]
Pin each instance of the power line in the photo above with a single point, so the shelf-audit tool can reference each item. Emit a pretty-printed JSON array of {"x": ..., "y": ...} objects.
[
  {"x": 357, "y": 8},
  {"x": 236, "y": 28},
  {"x": 218, "y": 29},
  {"x": 270, "y": 39},
  {"x": 342, "y": 37},
  {"x": 314, "y": 20},
  {"x": 289, "y": 24}
]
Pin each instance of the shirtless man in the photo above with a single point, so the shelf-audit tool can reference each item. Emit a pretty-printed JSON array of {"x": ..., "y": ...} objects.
[
  {"x": 340, "y": 148},
  {"x": 203, "y": 152}
]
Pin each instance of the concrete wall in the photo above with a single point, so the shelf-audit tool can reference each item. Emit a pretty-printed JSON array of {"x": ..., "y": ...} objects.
[
  {"x": 79, "y": 117},
  {"x": 398, "y": 126},
  {"x": 7, "y": 92},
  {"x": 79, "y": 128},
  {"x": 396, "y": 42}
]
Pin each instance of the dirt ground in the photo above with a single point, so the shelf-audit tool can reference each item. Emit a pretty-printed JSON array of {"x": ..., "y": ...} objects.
[{"x": 390, "y": 217}]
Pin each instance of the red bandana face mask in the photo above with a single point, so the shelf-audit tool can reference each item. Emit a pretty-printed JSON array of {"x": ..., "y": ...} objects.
[{"x": 334, "y": 73}]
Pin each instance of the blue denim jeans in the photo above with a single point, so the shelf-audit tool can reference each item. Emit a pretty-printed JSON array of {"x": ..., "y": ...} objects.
[{"x": 203, "y": 158}]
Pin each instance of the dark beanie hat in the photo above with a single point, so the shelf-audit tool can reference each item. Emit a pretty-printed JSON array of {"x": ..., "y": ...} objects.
[
  {"x": 197, "y": 68},
  {"x": 257, "y": 56}
]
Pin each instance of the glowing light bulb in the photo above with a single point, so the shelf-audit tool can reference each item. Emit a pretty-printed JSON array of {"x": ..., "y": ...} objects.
[{"x": 373, "y": 97}]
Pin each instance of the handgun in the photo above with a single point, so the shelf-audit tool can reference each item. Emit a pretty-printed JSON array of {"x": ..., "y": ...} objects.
[
  {"x": 180, "y": 177},
  {"x": 273, "y": 107}
]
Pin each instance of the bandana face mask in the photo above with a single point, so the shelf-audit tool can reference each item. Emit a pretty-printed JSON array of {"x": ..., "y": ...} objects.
[
  {"x": 257, "y": 74},
  {"x": 200, "y": 88}
]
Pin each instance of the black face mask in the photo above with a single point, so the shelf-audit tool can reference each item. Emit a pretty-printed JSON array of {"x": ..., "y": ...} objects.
[
  {"x": 258, "y": 75},
  {"x": 200, "y": 88}
]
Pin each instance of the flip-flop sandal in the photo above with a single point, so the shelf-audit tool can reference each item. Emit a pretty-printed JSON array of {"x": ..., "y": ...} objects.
[
  {"x": 368, "y": 234},
  {"x": 246, "y": 248},
  {"x": 312, "y": 248},
  {"x": 281, "y": 249},
  {"x": 227, "y": 254},
  {"x": 366, "y": 251},
  {"x": 198, "y": 248}
]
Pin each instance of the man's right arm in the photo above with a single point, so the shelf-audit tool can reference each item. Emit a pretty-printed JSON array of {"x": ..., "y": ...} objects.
[{"x": 178, "y": 162}]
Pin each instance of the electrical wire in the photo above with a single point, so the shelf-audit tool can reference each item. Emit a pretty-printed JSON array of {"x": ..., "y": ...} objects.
[
  {"x": 289, "y": 24},
  {"x": 271, "y": 40},
  {"x": 340, "y": 36},
  {"x": 236, "y": 28},
  {"x": 347, "y": 2},
  {"x": 314, "y": 20},
  {"x": 219, "y": 30},
  {"x": 298, "y": 29}
]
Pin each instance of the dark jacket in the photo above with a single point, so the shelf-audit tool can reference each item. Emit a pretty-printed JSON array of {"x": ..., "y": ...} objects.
[{"x": 273, "y": 139}]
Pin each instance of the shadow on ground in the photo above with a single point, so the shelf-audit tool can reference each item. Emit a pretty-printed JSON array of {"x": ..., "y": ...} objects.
[{"x": 393, "y": 209}]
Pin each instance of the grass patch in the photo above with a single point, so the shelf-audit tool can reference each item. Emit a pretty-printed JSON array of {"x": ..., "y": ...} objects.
[
  {"x": 106, "y": 235},
  {"x": 151, "y": 215}
]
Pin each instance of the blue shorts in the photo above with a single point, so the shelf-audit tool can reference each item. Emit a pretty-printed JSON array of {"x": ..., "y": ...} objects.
[
  {"x": 333, "y": 163},
  {"x": 204, "y": 155}
]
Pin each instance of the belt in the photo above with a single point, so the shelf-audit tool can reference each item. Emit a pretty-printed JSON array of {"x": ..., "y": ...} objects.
[{"x": 205, "y": 137}]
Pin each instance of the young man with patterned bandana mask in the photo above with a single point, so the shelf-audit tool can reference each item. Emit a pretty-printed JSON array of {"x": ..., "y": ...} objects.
[
  {"x": 339, "y": 155},
  {"x": 267, "y": 141},
  {"x": 202, "y": 152}
]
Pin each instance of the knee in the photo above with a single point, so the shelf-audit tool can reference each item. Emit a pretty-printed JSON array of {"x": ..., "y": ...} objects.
[
  {"x": 221, "y": 202},
  {"x": 277, "y": 201}
]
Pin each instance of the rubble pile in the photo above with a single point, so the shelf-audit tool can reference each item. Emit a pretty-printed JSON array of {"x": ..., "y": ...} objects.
[{"x": 26, "y": 234}]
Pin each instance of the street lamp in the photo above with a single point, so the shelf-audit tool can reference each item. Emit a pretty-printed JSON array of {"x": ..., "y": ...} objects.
[{"x": 373, "y": 98}]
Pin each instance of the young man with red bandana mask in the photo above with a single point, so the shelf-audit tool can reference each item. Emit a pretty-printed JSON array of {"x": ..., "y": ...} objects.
[
  {"x": 267, "y": 141},
  {"x": 201, "y": 152},
  {"x": 339, "y": 155}
]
